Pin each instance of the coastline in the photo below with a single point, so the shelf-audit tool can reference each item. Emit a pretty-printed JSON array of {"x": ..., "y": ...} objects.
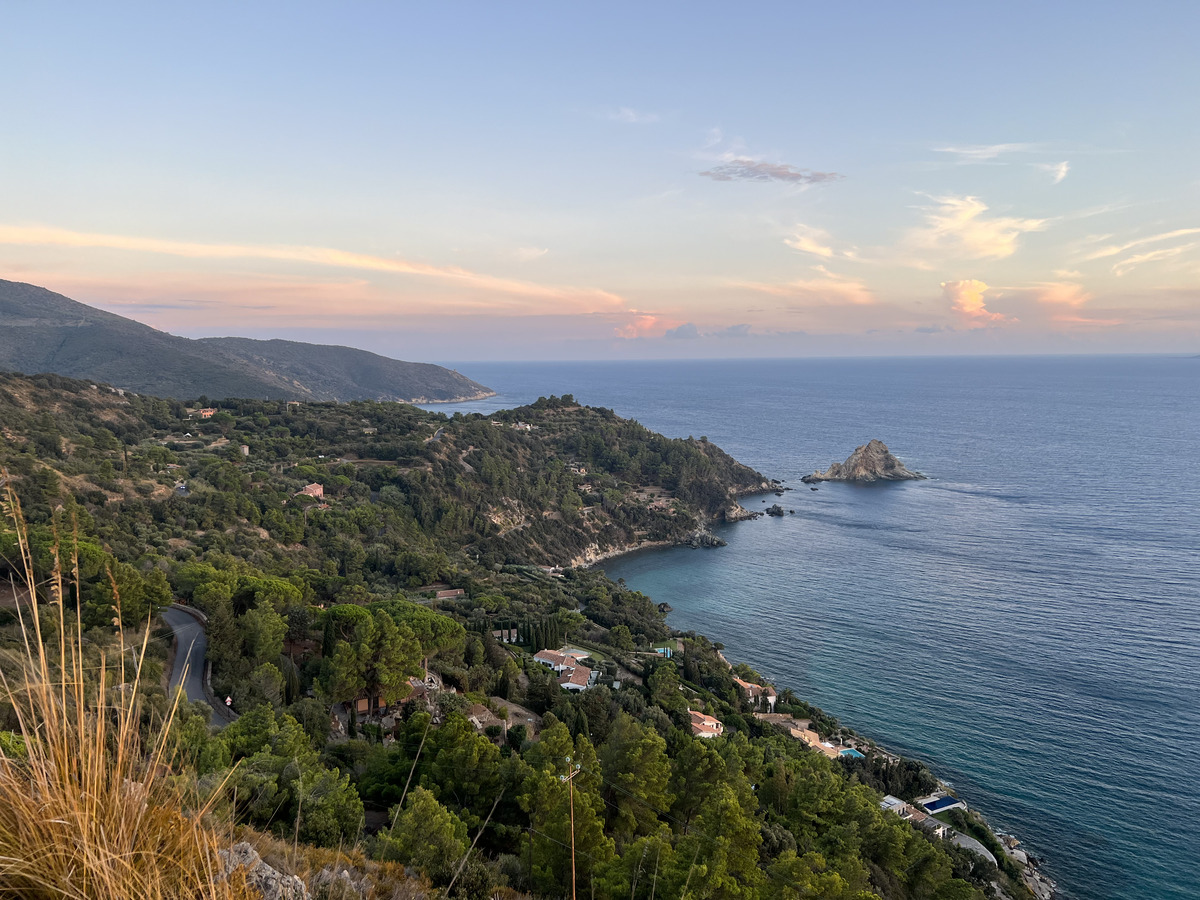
[
  {"x": 425, "y": 401},
  {"x": 1039, "y": 884},
  {"x": 701, "y": 538}
]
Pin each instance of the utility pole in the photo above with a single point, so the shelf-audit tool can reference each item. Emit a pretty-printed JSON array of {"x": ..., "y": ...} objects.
[{"x": 571, "y": 792}]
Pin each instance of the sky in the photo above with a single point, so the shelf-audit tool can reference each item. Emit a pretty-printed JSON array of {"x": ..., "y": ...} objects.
[{"x": 487, "y": 181}]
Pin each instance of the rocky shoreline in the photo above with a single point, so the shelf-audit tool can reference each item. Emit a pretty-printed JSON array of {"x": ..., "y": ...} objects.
[
  {"x": 1041, "y": 886},
  {"x": 425, "y": 401},
  {"x": 701, "y": 537}
]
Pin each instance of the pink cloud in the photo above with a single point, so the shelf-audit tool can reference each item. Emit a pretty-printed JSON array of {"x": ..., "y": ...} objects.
[
  {"x": 958, "y": 227},
  {"x": 966, "y": 299},
  {"x": 524, "y": 295}
]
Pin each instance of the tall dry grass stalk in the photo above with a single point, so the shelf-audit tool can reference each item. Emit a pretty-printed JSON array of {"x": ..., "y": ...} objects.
[{"x": 86, "y": 809}]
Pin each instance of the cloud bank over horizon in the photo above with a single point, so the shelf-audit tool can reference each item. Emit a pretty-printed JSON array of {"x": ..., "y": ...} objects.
[{"x": 646, "y": 203}]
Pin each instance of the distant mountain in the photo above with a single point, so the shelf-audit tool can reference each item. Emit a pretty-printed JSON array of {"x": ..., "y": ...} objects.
[{"x": 41, "y": 331}]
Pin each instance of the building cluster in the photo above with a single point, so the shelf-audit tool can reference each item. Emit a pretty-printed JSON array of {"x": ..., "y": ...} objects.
[{"x": 922, "y": 811}]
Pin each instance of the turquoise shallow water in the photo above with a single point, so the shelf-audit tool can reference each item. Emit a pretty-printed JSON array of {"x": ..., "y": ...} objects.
[{"x": 1027, "y": 621}]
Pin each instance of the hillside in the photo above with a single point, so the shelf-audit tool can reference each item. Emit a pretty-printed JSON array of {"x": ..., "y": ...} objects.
[
  {"x": 344, "y": 373},
  {"x": 376, "y": 581},
  {"x": 41, "y": 331}
]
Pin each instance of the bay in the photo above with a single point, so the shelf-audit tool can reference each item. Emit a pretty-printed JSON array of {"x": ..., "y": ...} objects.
[{"x": 1027, "y": 621}]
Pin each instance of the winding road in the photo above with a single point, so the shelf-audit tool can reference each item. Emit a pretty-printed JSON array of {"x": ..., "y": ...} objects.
[{"x": 191, "y": 646}]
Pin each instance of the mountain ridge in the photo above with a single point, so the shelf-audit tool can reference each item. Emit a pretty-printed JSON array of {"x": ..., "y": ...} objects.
[{"x": 43, "y": 331}]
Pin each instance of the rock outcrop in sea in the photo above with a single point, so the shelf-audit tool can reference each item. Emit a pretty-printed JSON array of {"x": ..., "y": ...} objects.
[{"x": 867, "y": 464}]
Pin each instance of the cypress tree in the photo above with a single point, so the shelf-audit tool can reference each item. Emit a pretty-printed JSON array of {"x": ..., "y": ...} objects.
[{"x": 327, "y": 639}]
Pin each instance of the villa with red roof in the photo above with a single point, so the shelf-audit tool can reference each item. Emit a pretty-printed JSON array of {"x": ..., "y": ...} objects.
[
  {"x": 757, "y": 693},
  {"x": 705, "y": 726}
]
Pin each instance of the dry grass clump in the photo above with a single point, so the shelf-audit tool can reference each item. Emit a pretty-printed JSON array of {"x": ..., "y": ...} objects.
[{"x": 85, "y": 808}]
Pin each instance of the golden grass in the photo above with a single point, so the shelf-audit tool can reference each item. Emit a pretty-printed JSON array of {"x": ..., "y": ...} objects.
[{"x": 86, "y": 810}]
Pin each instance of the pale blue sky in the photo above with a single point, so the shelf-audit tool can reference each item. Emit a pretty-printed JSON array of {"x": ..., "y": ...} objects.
[{"x": 509, "y": 181}]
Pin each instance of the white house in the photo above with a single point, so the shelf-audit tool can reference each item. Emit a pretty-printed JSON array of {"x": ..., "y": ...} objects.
[
  {"x": 576, "y": 678},
  {"x": 555, "y": 660}
]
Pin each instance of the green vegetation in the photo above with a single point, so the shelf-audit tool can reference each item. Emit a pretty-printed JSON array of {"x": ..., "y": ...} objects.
[
  {"x": 315, "y": 601},
  {"x": 83, "y": 811}
]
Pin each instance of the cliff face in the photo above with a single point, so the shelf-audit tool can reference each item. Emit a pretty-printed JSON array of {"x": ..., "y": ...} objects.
[{"x": 869, "y": 463}]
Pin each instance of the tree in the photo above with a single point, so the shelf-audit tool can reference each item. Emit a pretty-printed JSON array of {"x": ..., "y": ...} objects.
[
  {"x": 266, "y": 685},
  {"x": 263, "y": 629},
  {"x": 123, "y": 587},
  {"x": 434, "y": 632},
  {"x": 620, "y": 637},
  {"x": 637, "y": 772},
  {"x": 426, "y": 835},
  {"x": 547, "y": 800},
  {"x": 392, "y": 657},
  {"x": 328, "y": 810},
  {"x": 725, "y": 840},
  {"x": 664, "y": 687},
  {"x": 696, "y": 771},
  {"x": 377, "y": 660}
]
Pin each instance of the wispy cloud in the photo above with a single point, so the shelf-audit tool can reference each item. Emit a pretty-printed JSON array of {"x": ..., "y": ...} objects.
[
  {"x": 816, "y": 241},
  {"x": 1058, "y": 171},
  {"x": 317, "y": 256},
  {"x": 631, "y": 116},
  {"x": 959, "y": 226},
  {"x": 745, "y": 169},
  {"x": 1062, "y": 293},
  {"x": 1117, "y": 249},
  {"x": 966, "y": 299},
  {"x": 978, "y": 153},
  {"x": 829, "y": 289},
  {"x": 1127, "y": 265},
  {"x": 529, "y": 254}
]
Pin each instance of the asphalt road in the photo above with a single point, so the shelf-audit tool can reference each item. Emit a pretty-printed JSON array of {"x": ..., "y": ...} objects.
[{"x": 191, "y": 646}]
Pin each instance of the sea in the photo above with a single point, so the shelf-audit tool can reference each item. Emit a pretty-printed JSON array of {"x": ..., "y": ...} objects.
[{"x": 1027, "y": 621}]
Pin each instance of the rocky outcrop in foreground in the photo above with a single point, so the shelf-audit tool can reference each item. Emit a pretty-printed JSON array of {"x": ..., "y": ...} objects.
[
  {"x": 329, "y": 882},
  {"x": 273, "y": 884},
  {"x": 867, "y": 464}
]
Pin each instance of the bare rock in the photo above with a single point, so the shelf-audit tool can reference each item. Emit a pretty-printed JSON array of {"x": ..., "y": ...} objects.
[
  {"x": 703, "y": 538},
  {"x": 867, "y": 464},
  {"x": 273, "y": 884}
]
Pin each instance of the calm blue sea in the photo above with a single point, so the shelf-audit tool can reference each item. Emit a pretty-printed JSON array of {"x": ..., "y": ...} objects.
[{"x": 1027, "y": 621}]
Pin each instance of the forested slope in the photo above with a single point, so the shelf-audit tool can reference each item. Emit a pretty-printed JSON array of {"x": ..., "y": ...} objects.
[{"x": 316, "y": 601}]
